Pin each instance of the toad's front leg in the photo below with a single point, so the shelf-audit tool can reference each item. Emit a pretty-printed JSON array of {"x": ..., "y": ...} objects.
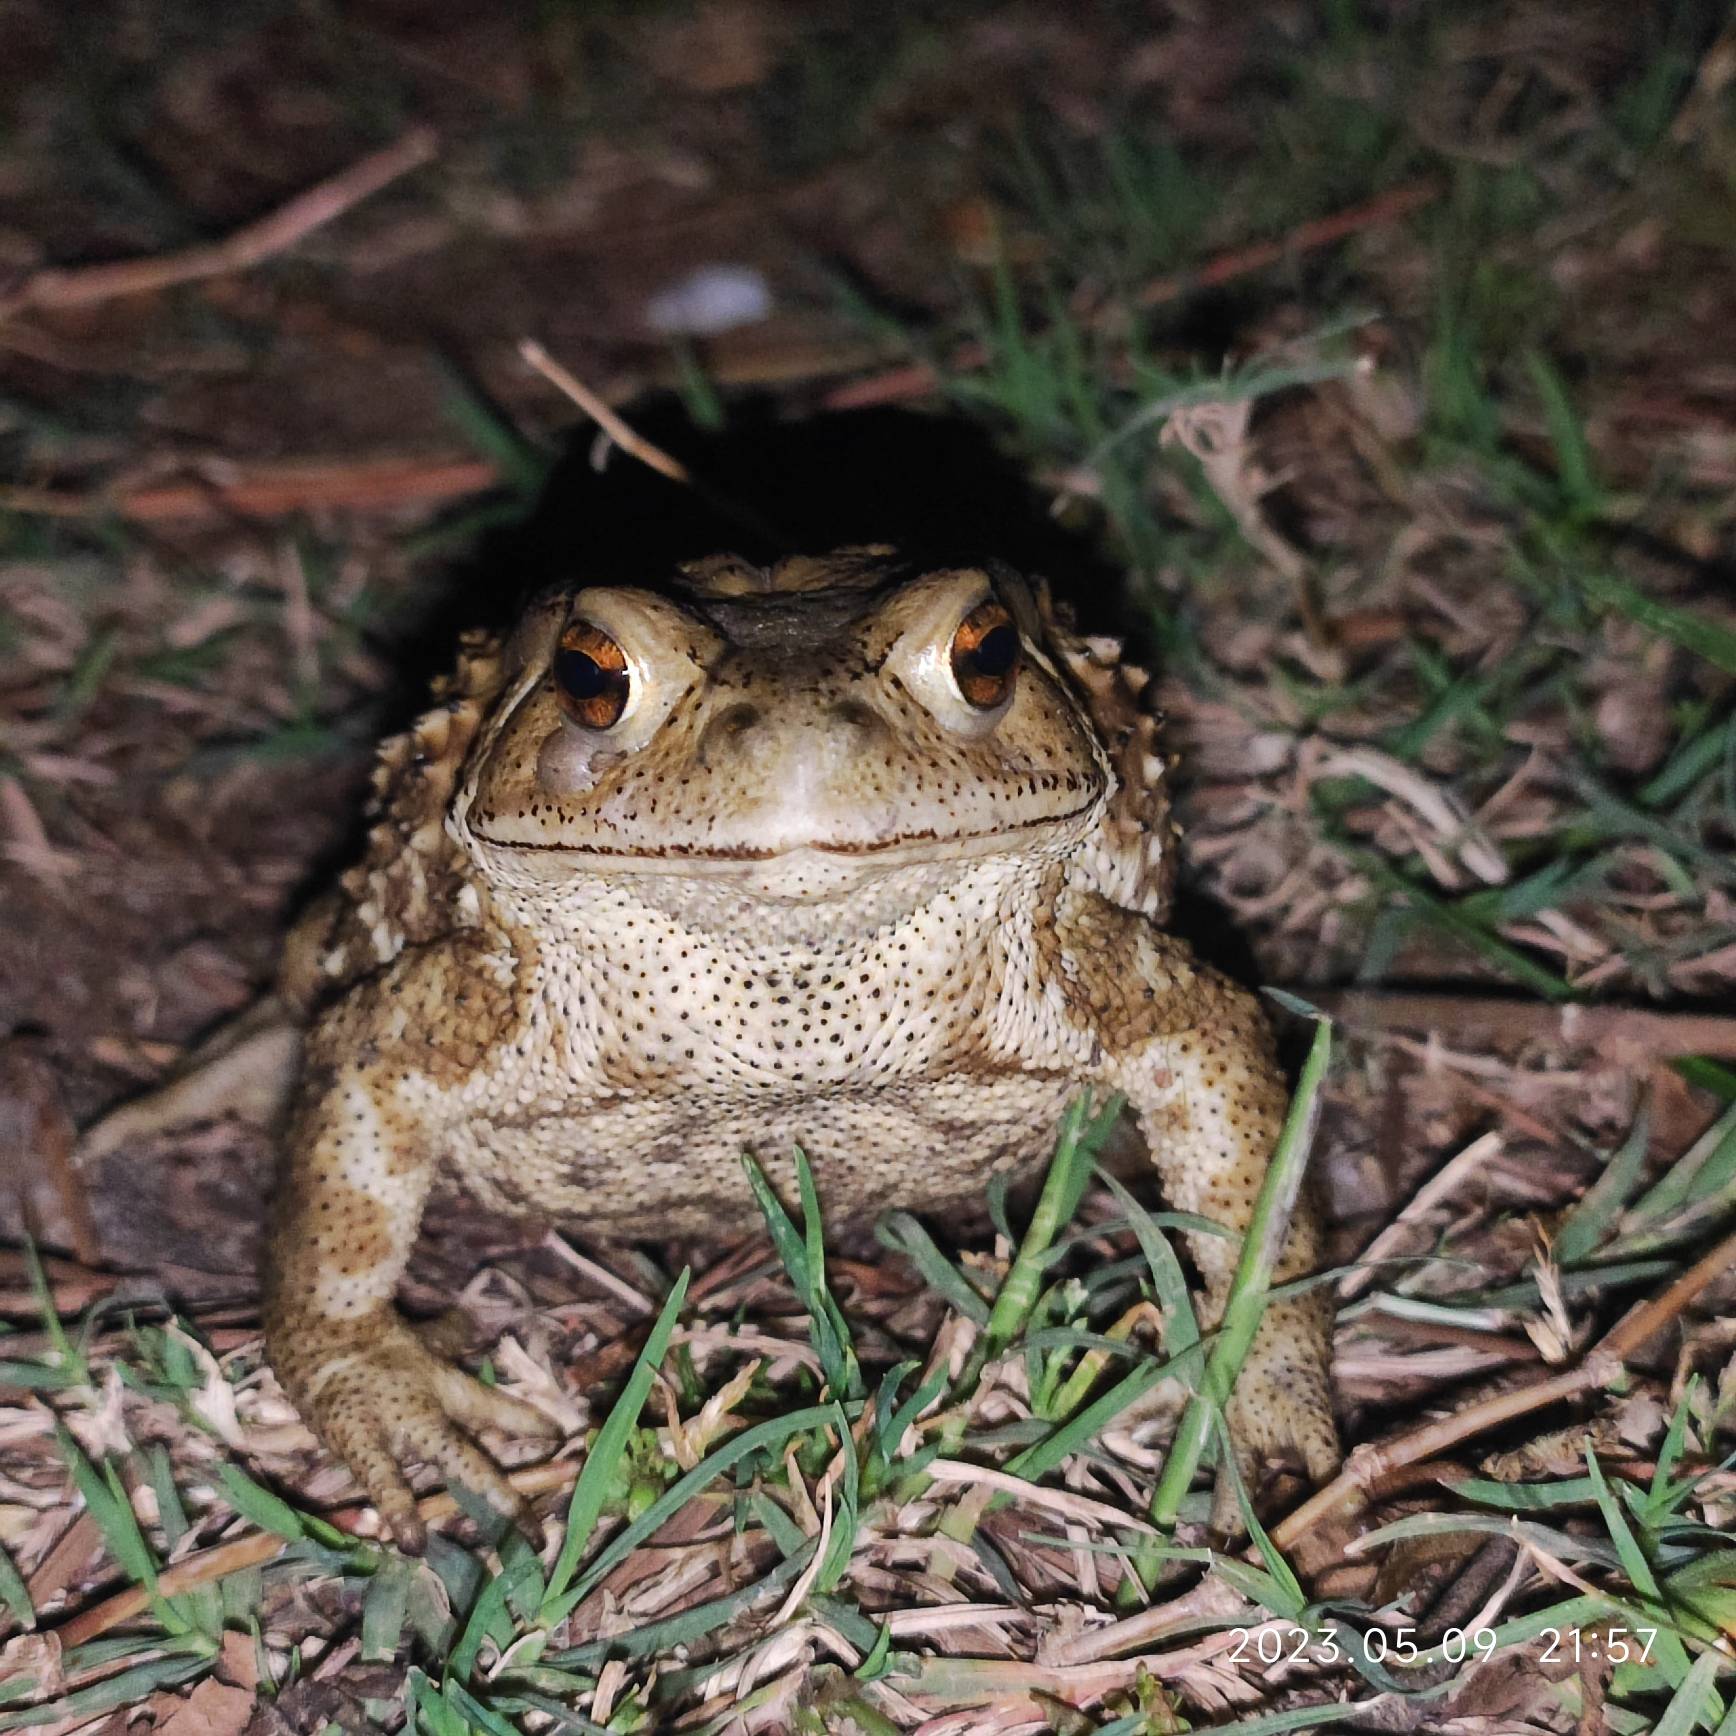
[
  {"x": 1192, "y": 1053},
  {"x": 362, "y": 1145}
]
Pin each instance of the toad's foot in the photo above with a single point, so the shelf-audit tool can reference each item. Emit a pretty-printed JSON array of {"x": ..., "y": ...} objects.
[
  {"x": 1282, "y": 1403},
  {"x": 376, "y": 1395}
]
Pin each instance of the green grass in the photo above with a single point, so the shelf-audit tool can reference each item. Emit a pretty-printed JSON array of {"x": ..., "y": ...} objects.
[
  {"x": 478, "y": 1624},
  {"x": 505, "y": 1599}
]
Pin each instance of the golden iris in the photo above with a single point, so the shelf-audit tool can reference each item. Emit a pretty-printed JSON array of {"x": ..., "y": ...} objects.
[
  {"x": 985, "y": 655},
  {"x": 591, "y": 676}
]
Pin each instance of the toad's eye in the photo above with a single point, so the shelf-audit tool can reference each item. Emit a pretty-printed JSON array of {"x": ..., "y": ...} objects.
[
  {"x": 591, "y": 676},
  {"x": 985, "y": 656}
]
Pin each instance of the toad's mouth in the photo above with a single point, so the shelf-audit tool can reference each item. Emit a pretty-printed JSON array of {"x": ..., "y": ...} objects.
[{"x": 918, "y": 845}]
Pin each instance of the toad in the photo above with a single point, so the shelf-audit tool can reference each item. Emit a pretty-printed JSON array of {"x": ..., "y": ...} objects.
[{"x": 846, "y": 853}]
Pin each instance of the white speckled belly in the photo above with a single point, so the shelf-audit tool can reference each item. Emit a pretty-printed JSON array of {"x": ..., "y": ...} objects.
[{"x": 653, "y": 1167}]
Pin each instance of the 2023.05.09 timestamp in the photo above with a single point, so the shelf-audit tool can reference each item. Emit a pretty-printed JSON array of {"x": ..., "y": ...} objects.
[{"x": 1274, "y": 1643}]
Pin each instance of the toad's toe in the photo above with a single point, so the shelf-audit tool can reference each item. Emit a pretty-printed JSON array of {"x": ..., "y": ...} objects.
[
  {"x": 1282, "y": 1404},
  {"x": 386, "y": 1399}
]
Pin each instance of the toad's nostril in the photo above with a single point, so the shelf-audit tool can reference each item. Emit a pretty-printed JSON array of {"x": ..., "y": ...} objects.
[
  {"x": 728, "y": 727},
  {"x": 736, "y": 719},
  {"x": 858, "y": 716}
]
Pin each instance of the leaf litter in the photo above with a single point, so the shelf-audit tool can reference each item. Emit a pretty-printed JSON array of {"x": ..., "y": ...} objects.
[{"x": 1447, "y": 664}]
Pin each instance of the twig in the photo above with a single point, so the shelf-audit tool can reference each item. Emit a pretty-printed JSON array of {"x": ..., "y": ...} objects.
[
  {"x": 83, "y": 285},
  {"x": 635, "y": 445},
  {"x": 599, "y": 1275},
  {"x": 1309, "y": 237},
  {"x": 1621, "y": 1036},
  {"x": 630, "y": 442},
  {"x": 68, "y": 1556},
  {"x": 1393, "y": 1239},
  {"x": 1347, "y": 1493},
  {"x": 918, "y": 379},
  {"x": 1080, "y": 1507},
  {"x": 268, "y": 491},
  {"x": 899, "y": 385}
]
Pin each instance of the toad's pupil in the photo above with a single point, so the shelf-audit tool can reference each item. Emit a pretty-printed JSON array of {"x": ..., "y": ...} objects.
[
  {"x": 583, "y": 676},
  {"x": 590, "y": 671},
  {"x": 996, "y": 653}
]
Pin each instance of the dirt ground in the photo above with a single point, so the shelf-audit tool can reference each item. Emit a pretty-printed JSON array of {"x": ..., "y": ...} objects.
[{"x": 1370, "y": 366}]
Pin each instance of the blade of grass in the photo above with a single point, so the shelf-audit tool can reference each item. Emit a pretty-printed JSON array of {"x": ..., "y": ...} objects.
[
  {"x": 1589, "y": 1222},
  {"x": 1688, "y": 764},
  {"x": 804, "y": 1258},
  {"x": 385, "y": 1608},
  {"x": 106, "y": 1500},
  {"x": 260, "y": 1507},
  {"x": 904, "y": 1234},
  {"x": 474, "y": 1711},
  {"x": 660, "y": 1638},
  {"x": 831, "y": 1333},
  {"x": 1702, "y": 1168},
  {"x": 1248, "y": 1289},
  {"x": 490, "y": 431},
  {"x": 490, "y": 1616},
  {"x": 72, "y": 1362},
  {"x": 591, "y": 1489},
  {"x": 130, "y": 1688},
  {"x": 1506, "y": 958},
  {"x": 1696, "y": 1701},
  {"x": 1672, "y": 1654},
  {"x": 1286, "y": 1586},
  {"x": 1036, "y": 1461},
  {"x": 1706, "y": 1074},
  {"x": 1181, "y": 1330},
  {"x": 846, "y": 1512},
  {"x": 14, "y": 1593},
  {"x": 1693, "y": 632},
  {"x": 771, "y": 1433},
  {"x": 1575, "y": 470},
  {"x": 1082, "y": 1135}
]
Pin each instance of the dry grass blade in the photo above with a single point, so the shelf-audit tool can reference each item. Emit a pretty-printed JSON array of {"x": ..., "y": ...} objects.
[
  {"x": 647, "y": 452},
  {"x": 1347, "y": 1493},
  {"x": 268, "y": 491},
  {"x": 604, "y": 415},
  {"x": 85, "y": 285},
  {"x": 899, "y": 385}
]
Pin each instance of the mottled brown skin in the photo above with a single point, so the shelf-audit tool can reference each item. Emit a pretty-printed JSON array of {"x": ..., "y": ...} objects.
[{"x": 803, "y": 890}]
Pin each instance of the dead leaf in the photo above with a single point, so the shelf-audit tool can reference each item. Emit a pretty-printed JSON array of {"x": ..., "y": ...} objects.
[
  {"x": 238, "y": 1660},
  {"x": 212, "y": 1709}
]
